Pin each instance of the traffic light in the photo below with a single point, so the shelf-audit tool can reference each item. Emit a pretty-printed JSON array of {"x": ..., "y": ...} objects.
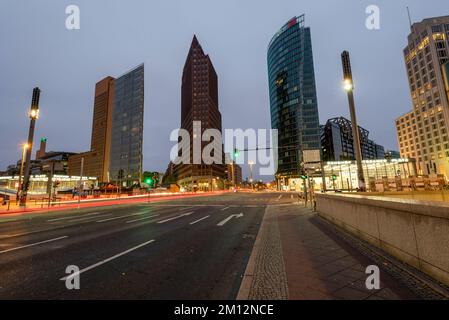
[
  {"x": 236, "y": 153},
  {"x": 303, "y": 177},
  {"x": 334, "y": 177},
  {"x": 149, "y": 181}
]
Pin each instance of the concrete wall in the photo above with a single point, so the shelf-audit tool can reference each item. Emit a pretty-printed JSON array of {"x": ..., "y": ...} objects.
[
  {"x": 415, "y": 195},
  {"x": 415, "y": 232}
]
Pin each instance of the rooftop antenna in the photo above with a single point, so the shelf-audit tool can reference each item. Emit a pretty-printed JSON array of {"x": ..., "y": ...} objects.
[{"x": 409, "y": 18}]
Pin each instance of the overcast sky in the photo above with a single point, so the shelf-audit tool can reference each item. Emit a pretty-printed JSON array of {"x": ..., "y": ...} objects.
[{"x": 115, "y": 36}]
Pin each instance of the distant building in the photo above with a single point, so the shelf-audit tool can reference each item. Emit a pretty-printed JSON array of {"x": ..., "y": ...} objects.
[
  {"x": 293, "y": 97},
  {"x": 117, "y": 131},
  {"x": 423, "y": 133},
  {"x": 338, "y": 144},
  {"x": 45, "y": 162},
  {"x": 41, "y": 152},
  {"x": 199, "y": 102},
  {"x": 380, "y": 151},
  {"x": 392, "y": 154},
  {"x": 238, "y": 179}
]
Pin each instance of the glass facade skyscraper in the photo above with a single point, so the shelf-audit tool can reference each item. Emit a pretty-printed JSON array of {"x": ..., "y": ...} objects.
[
  {"x": 293, "y": 98},
  {"x": 127, "y": 128}
]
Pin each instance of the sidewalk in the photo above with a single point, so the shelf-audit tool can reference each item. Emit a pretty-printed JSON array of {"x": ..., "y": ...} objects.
[{"x": 312, "y": 263}]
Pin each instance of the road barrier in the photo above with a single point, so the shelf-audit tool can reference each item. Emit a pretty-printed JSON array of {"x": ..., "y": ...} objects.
[{"x": 415, "y": 232}]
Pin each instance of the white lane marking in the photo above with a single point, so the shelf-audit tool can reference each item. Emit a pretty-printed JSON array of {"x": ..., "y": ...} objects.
[
  {"x": 106, "y": 260},
  {"x": 225, "y": 208},
  {"x": 280, "y": 197},
  {"x": 89, "y": 218},
  {"x": 6, "y": 221},
  {"x": 145, "y": 218},
  {"x": 222, "y": 223},
  {"x": 121, "y": 217},
  {"x": 33, "y": 244},
  {"x": 177, "y": 217},
  {"x": 199, "y": 220},
  {"x": 74, "y": 217},
  {"x": 291, "y": 196}
]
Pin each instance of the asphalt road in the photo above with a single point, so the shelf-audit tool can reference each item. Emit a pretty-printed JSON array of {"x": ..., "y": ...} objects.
[{"x": 179, "y": 249}]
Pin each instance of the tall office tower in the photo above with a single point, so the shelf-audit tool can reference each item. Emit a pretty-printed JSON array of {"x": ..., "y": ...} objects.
[
  {"x": 423, "y": 132},
  {"x": 96, "y": 161},
  {"x": 293, "y": 98},
  {"x": 117, "y": 131},
  {"x": 127, "y": 128},
  {"x": 199, "y": 103}
]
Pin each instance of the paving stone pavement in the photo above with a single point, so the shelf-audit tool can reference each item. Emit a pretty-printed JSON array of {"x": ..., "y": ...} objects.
[
  {"x": 265, "y": 277},
  {"x": 297, "y": 258}
]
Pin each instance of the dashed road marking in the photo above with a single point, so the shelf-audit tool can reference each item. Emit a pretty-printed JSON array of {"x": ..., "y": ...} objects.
[
  {"x": 199, "y": 220},
  {"x": 75, "y": 274},
  {"x": 33, "y": 244},
  {"x": 74, "y": 217},
  {"x": 141, "y": 219},
  {"x": 222, "y": 223},
  {"x": 177, "y": 217},
  {"x": 88, "y": 218}
]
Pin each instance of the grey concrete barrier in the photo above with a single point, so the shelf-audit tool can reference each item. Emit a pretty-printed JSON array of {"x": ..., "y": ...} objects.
[{"x": 415, "y": 232}]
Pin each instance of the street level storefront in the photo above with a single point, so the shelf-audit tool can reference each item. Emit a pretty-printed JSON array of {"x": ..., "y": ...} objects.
[
  {"x": 380, "y": 175},
  {"x": 39, "y": 183}
]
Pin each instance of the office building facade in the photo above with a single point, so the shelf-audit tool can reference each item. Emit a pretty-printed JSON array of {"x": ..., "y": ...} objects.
[
  {"x": 199, "y": 103},
  {"x": 127, "y": 128},
  {"x": 117, "y": 131},
  {"x": 293, "y": 98},
  {"x": 337, "y": 142},
  {"x": 423, "y": 133}
]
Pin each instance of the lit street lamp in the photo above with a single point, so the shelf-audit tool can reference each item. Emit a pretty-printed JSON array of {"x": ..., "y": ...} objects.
[
  {"x": 34, "y": 115},
  {"x": 348, "y": 85},
  {"x": 251, "y": 164},
  {"x": 19, "y": 187}
]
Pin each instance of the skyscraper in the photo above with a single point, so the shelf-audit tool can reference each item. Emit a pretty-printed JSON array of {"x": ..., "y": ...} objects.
[
  {"x": 293, "y": 98},
  {"x": 96, "y": 161},
  {"x": 199, "y": 102},
  {"x": 117, "y": 131},
  {"x": 127, "y": 128},
  {"x": 423, "y": 132}
]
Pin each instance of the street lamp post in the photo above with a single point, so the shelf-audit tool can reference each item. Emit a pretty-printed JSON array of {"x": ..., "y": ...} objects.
[
  {"x": 81, "y": 187},
  {"x": 34, "y": 115},
  {"x": 251, "y": 164},
  {"x": 19, "y": 187},
  {"x": 349, "y": 88}
]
